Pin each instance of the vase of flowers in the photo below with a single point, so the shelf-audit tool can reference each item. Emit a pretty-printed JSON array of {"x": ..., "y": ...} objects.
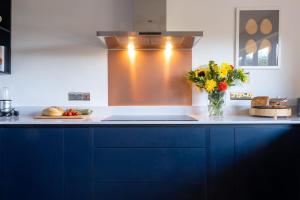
[{"x": 215, "y": 80}]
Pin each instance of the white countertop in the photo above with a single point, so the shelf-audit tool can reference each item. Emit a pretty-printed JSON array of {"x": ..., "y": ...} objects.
[{"x": 200, "y": 114}]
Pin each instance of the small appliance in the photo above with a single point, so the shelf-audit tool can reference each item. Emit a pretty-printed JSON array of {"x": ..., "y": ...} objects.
[{"x": 6, "y": 109}]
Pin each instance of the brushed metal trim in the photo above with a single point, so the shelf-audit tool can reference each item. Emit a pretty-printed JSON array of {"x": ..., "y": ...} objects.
[{"x": 186, "y": 37}]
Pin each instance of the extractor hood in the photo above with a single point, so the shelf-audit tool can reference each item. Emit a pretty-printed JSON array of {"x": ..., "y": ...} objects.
[{"x": 149, "y": 30}]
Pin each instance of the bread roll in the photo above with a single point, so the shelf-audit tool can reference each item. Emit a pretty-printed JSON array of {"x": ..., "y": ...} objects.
[{"x": 53, "y": 111}]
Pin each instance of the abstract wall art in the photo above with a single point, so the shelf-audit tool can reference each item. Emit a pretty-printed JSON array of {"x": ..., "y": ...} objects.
[{"x": 258, "y": 38}]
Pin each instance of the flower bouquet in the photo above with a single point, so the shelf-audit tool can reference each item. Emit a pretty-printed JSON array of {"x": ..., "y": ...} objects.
[{"x": 216, "y": 79}]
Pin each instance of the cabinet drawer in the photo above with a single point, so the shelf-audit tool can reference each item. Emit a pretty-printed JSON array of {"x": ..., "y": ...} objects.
[
  {"x": 251, "y": 140},
  {"x": 151, "y": 164},
  {"x": 149, "y": 191},
  {"x": 150, "y": 137}
]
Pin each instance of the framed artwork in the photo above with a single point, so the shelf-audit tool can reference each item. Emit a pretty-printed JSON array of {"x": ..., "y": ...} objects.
[
  {"x": 258, "y": 38},
  {"x": 2, "y": 58}
]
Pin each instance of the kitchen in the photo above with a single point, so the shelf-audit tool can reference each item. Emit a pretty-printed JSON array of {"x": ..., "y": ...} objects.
[{"x": 162, "y": 143}]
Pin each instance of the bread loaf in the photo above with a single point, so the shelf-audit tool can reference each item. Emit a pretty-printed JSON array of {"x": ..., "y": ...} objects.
[
  {"x": 53, "y": 111},
  {"x": 262, "y": 101}
]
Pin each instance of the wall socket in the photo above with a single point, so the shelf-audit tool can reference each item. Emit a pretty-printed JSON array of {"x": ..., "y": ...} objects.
[{"x": 79, "y": 96}]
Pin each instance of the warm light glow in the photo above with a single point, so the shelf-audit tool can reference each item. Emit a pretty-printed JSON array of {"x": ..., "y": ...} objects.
[
  {"x": 131, "y": 46},
  {"x": 169, "y": 46},
  {"x": 131, "y": 50},
  {"x": 168, "y": 50}
]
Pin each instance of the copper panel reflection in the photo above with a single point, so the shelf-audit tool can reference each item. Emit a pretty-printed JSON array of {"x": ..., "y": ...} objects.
[{"x": 149, "y": 78}]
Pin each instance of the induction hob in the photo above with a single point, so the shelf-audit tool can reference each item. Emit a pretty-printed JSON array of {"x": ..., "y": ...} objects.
[{"x": 150, "y": 118}]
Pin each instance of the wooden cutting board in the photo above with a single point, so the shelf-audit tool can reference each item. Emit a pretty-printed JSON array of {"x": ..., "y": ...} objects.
[
  {"x": 269, "y": 112},
  {"x": 61, "y": 117}
]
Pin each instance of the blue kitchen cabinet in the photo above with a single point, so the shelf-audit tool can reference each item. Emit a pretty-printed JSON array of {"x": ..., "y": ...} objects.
[
  {"x": 151, "y": 165},
  {"x": 78, "y": 164},
  {"x": 221, "y": 163},
  {"x": 151, "y": 136},
  {"x": 151, "y": 162},
  {"x": 254, "y": 162},
  {"x": 148, "y": 191},
  {"x": 267, "y": 162},
  {"x": 31, "y": 164},
  {"x": 127, "y": 162}
]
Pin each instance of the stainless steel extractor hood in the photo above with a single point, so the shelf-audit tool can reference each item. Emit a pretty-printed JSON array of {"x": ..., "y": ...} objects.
[{"x": 149, "y": 24}]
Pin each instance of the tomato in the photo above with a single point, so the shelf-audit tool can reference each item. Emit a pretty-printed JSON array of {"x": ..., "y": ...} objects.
[{"x": 71, "y": 112}]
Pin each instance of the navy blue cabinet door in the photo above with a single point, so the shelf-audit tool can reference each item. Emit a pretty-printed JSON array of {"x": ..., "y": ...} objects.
[
  {"x": 163, "y": 163},
  {"x": 221, "y": 163},
  {"x": 32, "y": 161},
  {"x": 267, "y": 162},
  {"x": 151, "y": 165},
  {"x": 148, "y": 191},
  {"x": 77, "y": 164},
  {"x": 149, "y": 136}
]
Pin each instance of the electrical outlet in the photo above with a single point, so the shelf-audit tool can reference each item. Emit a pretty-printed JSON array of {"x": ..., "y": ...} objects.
[{"x": 79, "y": 96}]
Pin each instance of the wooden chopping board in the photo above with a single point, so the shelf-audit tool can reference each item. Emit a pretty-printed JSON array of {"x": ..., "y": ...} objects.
[
  {"x": 62, "y": 117},
  {"x": 269, "y": 112}
]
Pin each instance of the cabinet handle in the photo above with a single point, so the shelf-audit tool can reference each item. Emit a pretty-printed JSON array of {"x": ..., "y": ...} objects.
[{"x": 149, "y": 20}]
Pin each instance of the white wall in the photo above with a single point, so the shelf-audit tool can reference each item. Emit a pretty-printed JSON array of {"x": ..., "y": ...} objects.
[
  {"x": 217, "y": 19},
  {"x": 55, "y": 49}
]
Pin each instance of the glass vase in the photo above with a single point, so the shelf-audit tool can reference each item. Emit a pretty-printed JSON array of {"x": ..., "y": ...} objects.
[{"x": 216, "y": 103}]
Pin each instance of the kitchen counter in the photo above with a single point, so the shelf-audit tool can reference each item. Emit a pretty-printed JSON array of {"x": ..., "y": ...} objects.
[
  {"x": 200, "y": 114},
  {"x": 97, "y": 120}
]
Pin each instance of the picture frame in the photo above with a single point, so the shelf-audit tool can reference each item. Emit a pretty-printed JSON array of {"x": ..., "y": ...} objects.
[{"x": 258, "y": 39}]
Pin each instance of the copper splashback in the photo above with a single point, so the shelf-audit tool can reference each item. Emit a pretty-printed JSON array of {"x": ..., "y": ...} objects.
[{"x": 149, "y": 78}]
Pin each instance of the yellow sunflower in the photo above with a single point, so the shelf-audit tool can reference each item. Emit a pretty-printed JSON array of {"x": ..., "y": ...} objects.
[{"x": 200, "y": 72}]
